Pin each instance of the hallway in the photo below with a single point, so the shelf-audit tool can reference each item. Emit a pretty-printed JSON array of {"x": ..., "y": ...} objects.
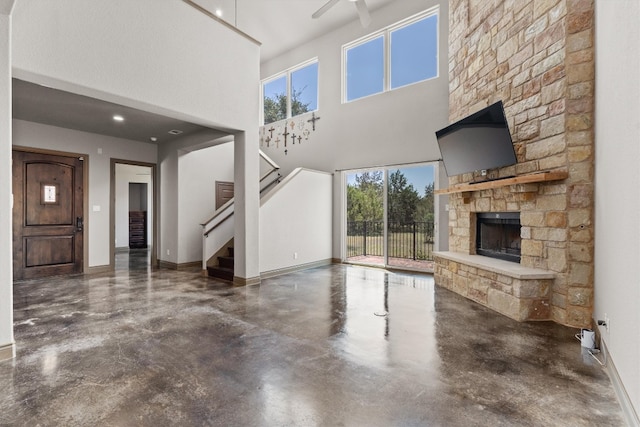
[{"x": 334, "y": 345}]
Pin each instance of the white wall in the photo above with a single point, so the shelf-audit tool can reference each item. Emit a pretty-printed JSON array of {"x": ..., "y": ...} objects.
[
  {"x": 126, "y": 174},
  {"x": 7, "y": 348},
  {"x": 246, "y": 211},
  {"x": 296, "y": 219},
  {"x": 198, "y": 172},
  {"x": 29, "y": 134},
  {"x": 168, "y": 171},
  {"x": 386, "y": 129},
  {"x": 160, "y": 64},
  {"x": 171, "y": 210},
  {"x": 617, "y": 193}
]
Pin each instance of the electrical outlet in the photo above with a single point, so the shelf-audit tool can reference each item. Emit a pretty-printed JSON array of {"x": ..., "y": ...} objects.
[
  {"x": 605, "y": 322},
  {"x": 295, "y": 255},
  {"x": 168, "y": 252}
]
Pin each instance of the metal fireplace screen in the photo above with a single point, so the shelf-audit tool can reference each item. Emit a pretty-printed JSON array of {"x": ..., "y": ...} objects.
[{"x": 498, "y": 235}]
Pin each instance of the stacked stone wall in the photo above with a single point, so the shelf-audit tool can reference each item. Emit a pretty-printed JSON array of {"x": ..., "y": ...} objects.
[
  {"x": 537, "y": 57},
  {"x": 521, "y": 298}
]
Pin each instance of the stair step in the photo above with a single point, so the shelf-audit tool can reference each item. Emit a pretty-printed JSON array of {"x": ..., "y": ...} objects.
[
  {"x": 226, "y": 262},
  {"x": 230, "y": 251},
  {"x": 221, "y": 273}
]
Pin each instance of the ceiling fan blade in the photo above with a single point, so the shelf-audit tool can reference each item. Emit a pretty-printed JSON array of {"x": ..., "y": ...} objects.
[
  {"x": 328, "y": 5},
  {"x": 363, "y": 12}
]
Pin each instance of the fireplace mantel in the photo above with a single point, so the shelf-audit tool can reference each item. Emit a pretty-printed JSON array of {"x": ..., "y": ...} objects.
[{"x": 497, "y": 183}]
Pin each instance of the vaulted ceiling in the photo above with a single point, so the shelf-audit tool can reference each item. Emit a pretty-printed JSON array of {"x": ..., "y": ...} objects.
[{"x": 279, "y": 25}]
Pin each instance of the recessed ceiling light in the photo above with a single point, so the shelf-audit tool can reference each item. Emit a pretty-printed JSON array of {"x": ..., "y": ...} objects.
[
  {"x": 175, "y": 132},
  {"x": 219, "y": 13},
  {"x": 118, "y": 118}
]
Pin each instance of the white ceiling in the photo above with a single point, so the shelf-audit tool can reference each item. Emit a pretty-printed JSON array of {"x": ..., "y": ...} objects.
[
  {"x": 279, "y": 25},
  {"x": 54, "y": 107}
]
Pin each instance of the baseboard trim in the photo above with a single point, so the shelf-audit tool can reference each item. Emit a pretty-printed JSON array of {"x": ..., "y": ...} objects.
[
  {"x": 7, "y": 352},
  {"x": 190, "y": 265},
  {"x": 241, "y": 281},
  {"x": 630, "y": 414},
  {"x": 99, "y": 269},
  {"x": 293, "y": 269},
  {"x": 167, "y": 265},
  {"x": 336, "y": 261},
  {"x": 183, "y": 266}
]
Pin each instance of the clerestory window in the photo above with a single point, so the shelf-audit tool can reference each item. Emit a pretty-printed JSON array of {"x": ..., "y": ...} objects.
[
  {"x": 290, "y": 93},
  {"x": 396, "y": 56}
]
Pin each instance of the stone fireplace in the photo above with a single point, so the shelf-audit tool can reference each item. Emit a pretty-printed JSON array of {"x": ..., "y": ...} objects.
[{"x": 537, "y": 57}]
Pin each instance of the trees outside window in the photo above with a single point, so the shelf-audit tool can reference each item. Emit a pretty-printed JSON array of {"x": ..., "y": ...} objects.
[
  {"x": 290, "y": 93},
  {"x": 364, "y": 197},
  {"x": 409, "y": 216},
  {"x": 403, "y": 199},
  {"x": 275, "y": 99}
]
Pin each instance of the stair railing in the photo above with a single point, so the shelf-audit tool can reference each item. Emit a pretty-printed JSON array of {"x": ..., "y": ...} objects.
[{"x": 225, "y": 211}]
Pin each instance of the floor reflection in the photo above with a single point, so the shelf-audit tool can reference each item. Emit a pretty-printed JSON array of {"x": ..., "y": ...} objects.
[
  {"x": 333, "y": 345},
  {"x": 388, "y": 318},
  {"x": 133, "y": 259}
]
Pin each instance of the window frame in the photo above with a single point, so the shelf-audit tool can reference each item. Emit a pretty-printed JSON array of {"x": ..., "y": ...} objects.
[
  {"x": 386, "y": 35},
  {"x": 287, "y": 73}
]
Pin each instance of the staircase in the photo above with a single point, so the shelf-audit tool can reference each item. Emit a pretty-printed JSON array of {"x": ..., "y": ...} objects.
[
  {"x": 310, "y": 232},
  {"x": 224, "y": 269},
  {"x": 217, "y": 239}
]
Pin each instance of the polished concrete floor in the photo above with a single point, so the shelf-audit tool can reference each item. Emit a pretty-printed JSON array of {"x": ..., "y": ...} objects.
[{"x": 331, "y": 346}]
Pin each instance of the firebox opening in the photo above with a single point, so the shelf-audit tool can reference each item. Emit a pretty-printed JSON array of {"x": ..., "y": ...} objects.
[{"x": 498, "y": 235}]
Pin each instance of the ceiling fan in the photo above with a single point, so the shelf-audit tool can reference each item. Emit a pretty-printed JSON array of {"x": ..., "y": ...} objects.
[{"x": 361, "y": 6}]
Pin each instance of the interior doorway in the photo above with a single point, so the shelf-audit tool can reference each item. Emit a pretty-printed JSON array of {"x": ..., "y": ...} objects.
[
  {"x": 133, "y": 209},
  {"x": 138, "y": 214},
  {"x": 224, "y": 193}
]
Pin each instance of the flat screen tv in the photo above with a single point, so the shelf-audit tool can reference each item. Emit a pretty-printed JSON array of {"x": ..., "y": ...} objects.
[{"x": 478, "y": 142}]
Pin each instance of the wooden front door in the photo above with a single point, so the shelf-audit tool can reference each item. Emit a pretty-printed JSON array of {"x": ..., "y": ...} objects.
[{"x": 47, "y": 215}]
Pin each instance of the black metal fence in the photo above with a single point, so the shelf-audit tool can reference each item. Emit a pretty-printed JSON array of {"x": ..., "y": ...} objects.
[{"x": 413, "y": 240}]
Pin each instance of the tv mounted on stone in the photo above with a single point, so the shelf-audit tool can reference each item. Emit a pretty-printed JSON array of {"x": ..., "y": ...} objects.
[{"x": 477, "y": 142}]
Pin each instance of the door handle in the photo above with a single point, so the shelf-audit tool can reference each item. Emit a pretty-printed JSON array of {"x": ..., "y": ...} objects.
[{"x": 79, "y": 224}]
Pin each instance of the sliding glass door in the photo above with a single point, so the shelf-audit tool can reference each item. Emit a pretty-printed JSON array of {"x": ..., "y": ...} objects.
[
  {"x": 410, "y": 217},
  {"x": 365, "y": 217},
  {"x": 390, "y": 217}
]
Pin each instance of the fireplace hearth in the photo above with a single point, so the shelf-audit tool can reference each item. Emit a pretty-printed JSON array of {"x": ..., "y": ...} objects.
[{"x": 498, "y": 235}]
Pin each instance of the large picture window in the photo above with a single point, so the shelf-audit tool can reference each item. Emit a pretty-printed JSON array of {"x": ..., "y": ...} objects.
[
  {"x": 396, "y": 56},
  {"x": 290, "y": 93}
]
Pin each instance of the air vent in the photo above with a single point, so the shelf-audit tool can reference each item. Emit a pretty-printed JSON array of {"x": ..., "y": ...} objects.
[{"x": 175, "y": 132}]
